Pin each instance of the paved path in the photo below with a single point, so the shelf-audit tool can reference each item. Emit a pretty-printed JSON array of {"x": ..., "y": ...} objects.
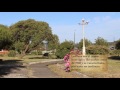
[
  {"x": 33, "y": 70},
  {"x": 40, "y": 70}
]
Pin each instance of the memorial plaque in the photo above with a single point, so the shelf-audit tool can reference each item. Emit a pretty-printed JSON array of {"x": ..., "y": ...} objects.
[{"x": 86, "y": 63}]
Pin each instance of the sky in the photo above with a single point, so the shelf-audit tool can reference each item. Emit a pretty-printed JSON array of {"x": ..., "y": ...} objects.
[{"x": 65, "y": 24}]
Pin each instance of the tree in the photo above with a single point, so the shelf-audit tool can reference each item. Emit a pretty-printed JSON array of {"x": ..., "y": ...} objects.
[
  {"x": 28, "y": 35},
  {"x": 5, "y": 37},
  {"x": 101, "y": 41},
  {"x": 117, "y": 45},
  {"x": 64, "y": 48},
  {"x": 97, "y": 49},
  {"x": 87, "y": 43},
  {"x": 100, "y": 47},
  {"x": 116, "y": 52},
  {"x": 54, "y": 42}
]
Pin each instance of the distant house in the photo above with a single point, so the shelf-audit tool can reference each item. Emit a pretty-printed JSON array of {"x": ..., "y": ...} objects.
[{"x": 3, "y": 52}]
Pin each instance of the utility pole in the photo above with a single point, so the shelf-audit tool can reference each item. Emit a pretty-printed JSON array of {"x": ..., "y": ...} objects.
[{"x": 74, "y": 39}]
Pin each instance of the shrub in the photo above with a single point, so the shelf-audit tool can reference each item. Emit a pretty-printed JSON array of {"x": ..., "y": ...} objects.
[
  {"x": 52, "y": 56},
  {"x": 1, "y": 55},
  {"x": 97, "y": 49},
  {"x": 12, "y": 53},
  {"x": 39, "y": 52},
  {"x": 64, "y": 48},
  {"x": 34, "y": 53},
  {"x": 116, "y": 52},
  {"x": 48, "y": 56},
  {"x": 61, "y": 53}
]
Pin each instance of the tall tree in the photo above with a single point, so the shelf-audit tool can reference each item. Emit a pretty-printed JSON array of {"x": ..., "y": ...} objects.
[
  {"x": 87, "y": 43},
  {"x": 117, "y": 45},
  {"x": 5, "y": 37},
  {"x": 64, "y": 48},
  {"x": 29, "y": 34},
  {"x": 101, "y": 41},
  {"x": 54, "y": 42}
]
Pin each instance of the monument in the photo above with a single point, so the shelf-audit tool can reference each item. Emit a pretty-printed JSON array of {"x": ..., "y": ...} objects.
[{"x": 87, "y": 63}]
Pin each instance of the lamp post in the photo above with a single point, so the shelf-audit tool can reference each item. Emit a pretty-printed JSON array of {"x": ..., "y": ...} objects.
[
  {"x": 74, "y": 39},
  {"x": 83, "y": 23}
]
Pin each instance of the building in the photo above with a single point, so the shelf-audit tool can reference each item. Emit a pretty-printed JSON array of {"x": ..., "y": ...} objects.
[{"x": 3, "y": 52}]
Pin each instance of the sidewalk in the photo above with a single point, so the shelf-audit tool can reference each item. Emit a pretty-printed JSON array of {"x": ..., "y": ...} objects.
[
  {"x": 40, "y": 70},
  {"x": 32, "y": 70}
]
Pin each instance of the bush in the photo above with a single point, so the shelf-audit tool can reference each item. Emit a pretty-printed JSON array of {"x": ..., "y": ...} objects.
[
  {"x": 12, "y": 53},
  {"x": 52, "y": 56},
  {"x": 39, "y": 52},
  {"x": 116, "y": 53},
  {"x": 61, "y": 53},
  {"x": 49, "y": 56},
  {"x": 64, "y": 48},
  {"x": 34, "y": 53},
  {"x": 97, "y": 49}
]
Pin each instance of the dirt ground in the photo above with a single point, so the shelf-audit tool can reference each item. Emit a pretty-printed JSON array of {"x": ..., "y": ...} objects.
[
  {"x": 54, "y": 69},
  {"x": 38, "y": 70},
  {"x": 59, "y": 69}
]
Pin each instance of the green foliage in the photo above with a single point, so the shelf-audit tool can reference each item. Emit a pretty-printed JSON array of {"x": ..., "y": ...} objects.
[
  {"x": 87, "y": 43},
  {"x": 39, "y": 52},
  {"x": 117, "y": 45},
  {"x": 1, "y": 55},
  {"x": 30, "y": 30},
  {"x": 49, "y": 56},
  {"x": 116, "y": 52},
  {"x": 101, "y": 41},
  {"x": 54, "y": 42},
  {"x": 64, "y": 48},
  {"x": 19, "y": 46},
  {"x": 12, "y": 53},
  {"x": 97, "y": 49},
  {"x": 61, "y": 53},
  {"x": 5, "y": 37},
  {"x": 52, "y": 56},
  {"x": 34, "y": 53}
]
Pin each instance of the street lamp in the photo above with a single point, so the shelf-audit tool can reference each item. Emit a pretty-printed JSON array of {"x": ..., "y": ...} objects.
[
  {"x": 74, "y": 39},
  {"x": 83, "y": 23}
]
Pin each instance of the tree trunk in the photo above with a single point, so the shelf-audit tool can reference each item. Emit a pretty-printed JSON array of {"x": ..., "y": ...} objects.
[{"x": 24, "y": 52}]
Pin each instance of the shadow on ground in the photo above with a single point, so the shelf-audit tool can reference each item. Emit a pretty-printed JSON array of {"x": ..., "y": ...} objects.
[
  {"x": 35, "y": 58},
  {"x": 44, "y": 57},
  {"x": 6, "y": 66},
  {"x": 115, "y": 57}
]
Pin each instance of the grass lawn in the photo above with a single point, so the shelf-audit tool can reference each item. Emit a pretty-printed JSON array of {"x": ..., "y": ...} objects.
[
  {"x": 113, "y": 71},
  {"x": 26, "y": 59},
  {"x": 113, "y": 67}
]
